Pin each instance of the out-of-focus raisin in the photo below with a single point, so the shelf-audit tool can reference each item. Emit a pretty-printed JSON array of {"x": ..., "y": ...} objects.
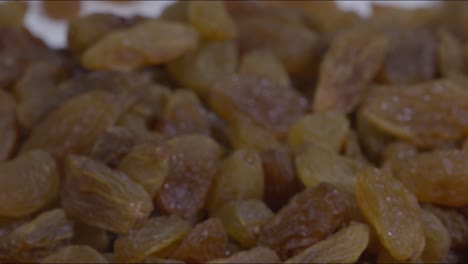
[
  {"x": 281, "y": 182},
  {"x": 184, "y": 114},
  {"x": 268, "y": 104},
  {"x": 345, "y": 246},
  {"x": 112, "y": 145},
  {"x": 391, "y": 17},
  {"x": 148, "y": 43},
  {"x": 399, "y": 150},
  {"x": 175, "y": 11},
  {"x": 426, "y": 114},
  {"x": 264, "y": 63},
  {"x": 450, "y": 57},
  {"x": 211, "y": 19},
  {"x": 148, "y": 165},
  {"x": 157, "y": 260},
  {"x": 8, "y": 133},
  {"x": 439, "y": 177},
  {"x": 456, "y": 224},
  {"x": 353, "y": 150},
  {"x": 309, "y": 217},
  {"x": 239, "y": 177},
  {"x": 393, "y": 211},
  {"x": 350, "y": 64},
  {"x": 75, "y": 126},
  {"x": 12, "y": 13},
  {"x": 244, "y": 133},
  {"x": 316, "y": 163},
  {"x": 255, "y": 255},
  {"x": 198, "y": 70},
  {"x": 205, "y": 242},
  {"x": 157, "y": 237},
  {"x": 61, "y": 9},
  {"x": 243, "y": 220},
  {"x": 42, "y": 236},
  {"x": 94, "y": 237},
  {"x": 330, "y": 128},
  {"x": 193, "y": 161},
  {"x": 102, "y": 197},
  {"x": 411, "y": 56},
  {"x": 75, "y": 254},
  {"x": 85, "y": 31},
  {"x": 437, "y": 238},
  {"x": 35, "y": 88},
  {"x": 27, "y": 183}
]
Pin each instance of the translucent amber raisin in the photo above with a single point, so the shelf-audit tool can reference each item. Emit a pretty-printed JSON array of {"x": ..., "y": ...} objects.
[
  {"x": 393, "y": 211},
  {"x": 27, "y": 183},
  {"x": 268, "y": 104},
  {"x": 439, "y": 177},
  {"x": 8, "y": 133},
  {"x": 398, "y": 151},
  {"x": 205, "y": 242},
  {"x": 198, "y": 70},
  {"x": 111, "y": 146},
  {"x": 345, "y": 246},
  {"x": 148, "y": 165},
  {"x": 350, "y": 64},
  {"x": 426, "y": 114},
  {"x": 74, "y": 127},
  {"x": 148, "y": 43},
  {"x": 316, "y": 163},
  {"x": 438, "y": 238},
  {"x": 281, "y": 182},
  {"x": 158, "y": 236},
  {"x": 61, "y": 9},
  {"x": 193, "y": 162},
  {"x": 264, "y": 63},
  {"x": 75, "y": 254},
  {"x": 255, "y": 255},
  {"x": 42, "y": 236},
  {"x": 243, "y": 220},
  {"x": 330, "y": 128},
  {"x": 211, "y": 19},
  {"x": 184, "y": 114},
  {"x": 450, "y": 57},
  {"x": 309, "y": 217},
  {"x": 239, "y": 177},
  {"x": 102, "y": 197}
]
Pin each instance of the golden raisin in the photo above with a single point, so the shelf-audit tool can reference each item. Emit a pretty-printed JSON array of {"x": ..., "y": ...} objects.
[{"x": 8, "y": 133}]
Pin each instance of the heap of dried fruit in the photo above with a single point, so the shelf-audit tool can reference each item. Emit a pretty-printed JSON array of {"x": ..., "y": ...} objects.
[{"x": 236, "y": 132}]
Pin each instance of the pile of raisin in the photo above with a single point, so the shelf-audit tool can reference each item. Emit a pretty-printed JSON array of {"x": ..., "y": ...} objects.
[{"x": 236, "y": 132}]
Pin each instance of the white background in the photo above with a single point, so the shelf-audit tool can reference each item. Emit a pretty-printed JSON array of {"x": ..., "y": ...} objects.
[{"x": 54, "y": 32}]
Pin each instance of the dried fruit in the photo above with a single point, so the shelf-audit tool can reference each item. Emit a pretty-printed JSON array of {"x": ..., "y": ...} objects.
[
  {"x": 148, "y": 43},
  {"x": 75, "y": 126},
  {"x": 255, "y": 255},
  {"x": 345, "y": 246},
  {"x": 266, "y": 64},
  {"x": 411, "y": 56},
  {"x": 7, "y": 125},
  {"x": 198, "y": 70},
  {"x": 399, "y": 150},
  {"x": 12, "y": 13},
  {"x": 352, "y": 61},
  {"x": 193, "y": 162},
  {"x": 110, "y": 147},
  {"x": 243, "y": 220},
  {"x": 148, "y": 165},
  {"x": 45, "y": 234},
  {"x": 309, "y": 217},
  {"x": 102, "y": 197},
  {"x": 75, "y": 254},
  {"x": 94, "y": 237},
  {"x": 439, "y": 177},
  {"x": 316, "y": 163},
  {"x": 61, "y": 9},
  {"x": 393, "y": 211},
  {"x": 426, "y": 114},
  {"x": 450, "y": 57},
  {"x": 27, "y": 183},
  {"x": 329, "y": 128},
  {"x": 184, "y": 114},
  {"x": 157, "y": 237},
  {"x": 211, "y": 19},
  {"x": 281, "y": 182},
  {"x": 266, "y": 103},
  {"x": 437, "y": 238},
  {"x": 205, "y": 242},
  {"x": 239, "y": 177}
]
